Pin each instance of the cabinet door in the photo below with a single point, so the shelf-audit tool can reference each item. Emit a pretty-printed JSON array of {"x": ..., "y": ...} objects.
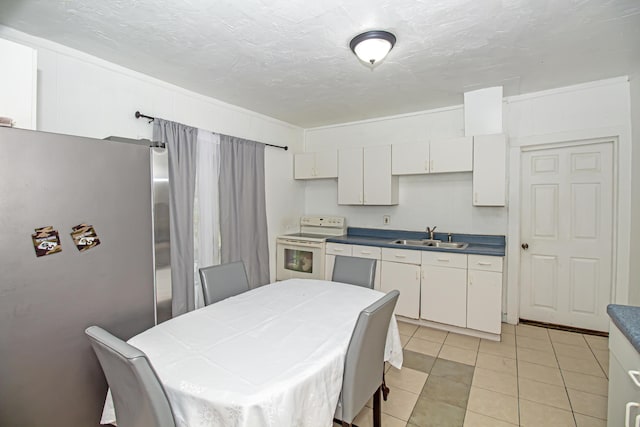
[
  {"x": 326, "y": 164},
  {"x": 410, "y": 159},
  {"x": 622, "y": 390},
  {"x": 350, "y": 174},
  {"x": 489, "y": 170},
  {"x": 406, "y": 279},
  {"x": 331, "y": 250},
  {"x": 370, "y": 252},
  {"x": 484, "y": 301},
  {"x": 18, "y": 74},
  {"x": 329, "y": 261},
  {"x": 444, "y": 295},
  {"x": 380, "y": 187},
  {"x": 453, "y": 155},
  {"x": 303, "y": 166}
]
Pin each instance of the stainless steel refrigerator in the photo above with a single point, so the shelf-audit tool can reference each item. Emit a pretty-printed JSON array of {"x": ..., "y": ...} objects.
[{"x": 51, "y": 183}]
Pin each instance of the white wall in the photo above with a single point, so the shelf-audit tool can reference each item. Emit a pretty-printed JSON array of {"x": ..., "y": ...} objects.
[
  {"x": 442, "y": 200},
  {"x": 79, "y": 94},
  {"x": 634, "y": 272},
  {"x": 576, "y": 113},
  {"x": 586, "y": 111}
]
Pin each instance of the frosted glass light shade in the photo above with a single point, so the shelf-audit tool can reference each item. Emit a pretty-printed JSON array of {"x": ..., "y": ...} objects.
[{"x": 373, "y": 46}]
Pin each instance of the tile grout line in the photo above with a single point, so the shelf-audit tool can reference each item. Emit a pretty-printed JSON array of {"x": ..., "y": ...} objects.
[
  {"x": 515, "y": 338},
  {"x": 517, "y": 362},
  {"x": 564, "y": 383}
]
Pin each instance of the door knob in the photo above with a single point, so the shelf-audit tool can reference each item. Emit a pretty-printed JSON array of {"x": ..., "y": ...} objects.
[{"x": 525, "y": 246}]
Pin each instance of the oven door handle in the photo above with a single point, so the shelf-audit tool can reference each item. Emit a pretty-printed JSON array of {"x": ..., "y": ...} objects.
[{"x": 300, "y": 244}]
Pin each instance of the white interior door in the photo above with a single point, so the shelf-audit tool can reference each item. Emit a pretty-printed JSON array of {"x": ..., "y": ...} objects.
[{"x": 566, "y": 237}]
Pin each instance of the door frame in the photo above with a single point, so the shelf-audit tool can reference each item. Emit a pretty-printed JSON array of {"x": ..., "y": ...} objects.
[{"x": 621, "y": 139}]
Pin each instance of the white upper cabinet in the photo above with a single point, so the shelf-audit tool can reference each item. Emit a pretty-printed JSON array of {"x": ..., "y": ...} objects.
[
  {"x": 323, "y": 164},
  {"x": 452, "y": 155},
  {"x": 364, "y": 177},
  {"x": 18, "y": 74},
  {"x": 410, "y": 159},
  {"x": 437, "y": 156},
  {"x": 304, "y": 165},
  {"x": 350, "y": 176},
  {"x": 489, "y": 170}
]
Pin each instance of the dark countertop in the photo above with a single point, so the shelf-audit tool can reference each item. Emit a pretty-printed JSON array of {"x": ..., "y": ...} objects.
[
  {"x": 627, "y": 319},
  {"x": 478, "y": 244}
]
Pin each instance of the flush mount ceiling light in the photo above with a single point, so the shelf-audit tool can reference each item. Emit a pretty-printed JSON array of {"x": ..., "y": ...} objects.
[{"x": 372, "y": 46}]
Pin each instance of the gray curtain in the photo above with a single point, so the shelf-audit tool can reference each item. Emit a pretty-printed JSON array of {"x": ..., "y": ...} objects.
[
  {"x": 243, "y": 213},
  {"x": 181, "y": 142}
]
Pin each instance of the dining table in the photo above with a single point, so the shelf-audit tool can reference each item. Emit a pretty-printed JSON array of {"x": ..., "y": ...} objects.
[{"x": 271, "y": 356}]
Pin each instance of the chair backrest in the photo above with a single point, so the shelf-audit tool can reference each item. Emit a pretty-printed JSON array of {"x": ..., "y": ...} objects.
[
  {"x": 138, "y": 396},
  {"x": 364, "y": 362},
  {"x": 354, "y": 271},
  {"x": 223, "y": 281}
]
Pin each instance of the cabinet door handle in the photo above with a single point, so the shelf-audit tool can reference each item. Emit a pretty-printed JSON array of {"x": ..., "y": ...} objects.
[
  {"x": 443, "y": 259},
  {"x": 470, "y": 280},
  {"x": 634, "y": 377},
  {"x": 426, "y": 165},
  {"x": 417, "y": 275},
  {"x": 365, "y": 252},
  {"x": 338, "y": 250},
  {"x": 431, "y": 168},
  {"x": 360, "y": 199},
  {"x": 475, "y": 197},
  {"x": 400, "y": 256},
  {"x": 483, "y": 263},
  {"x": 627, "y": 412}
]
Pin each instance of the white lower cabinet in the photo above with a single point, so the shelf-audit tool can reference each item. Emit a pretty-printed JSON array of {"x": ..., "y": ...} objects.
[
  {"x": 331, "y": 250},
  {"x": 624, "y": 393},
  {"x": 401, "y": 270},
  {"x": 484, "y": 293},
  {"x": 444, "y": 288},
  {"x": 370, "y": 252},
  {"x": 484, "y": 301},
  {"x": 359, "y": 251}
]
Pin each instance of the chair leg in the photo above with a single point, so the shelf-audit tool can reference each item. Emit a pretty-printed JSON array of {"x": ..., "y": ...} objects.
[
  {"x": 385, "y": 389},
  {"x": 377, "y": 408}
]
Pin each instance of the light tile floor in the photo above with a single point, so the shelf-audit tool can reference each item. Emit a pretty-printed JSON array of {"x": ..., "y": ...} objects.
[{"x": 533, "y": 377}]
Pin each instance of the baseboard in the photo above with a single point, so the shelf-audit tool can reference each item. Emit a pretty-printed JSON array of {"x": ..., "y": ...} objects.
[{"x": 563, "y": 328}]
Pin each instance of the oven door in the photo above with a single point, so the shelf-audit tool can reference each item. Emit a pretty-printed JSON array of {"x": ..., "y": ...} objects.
[{"x": 299, "y": 259}]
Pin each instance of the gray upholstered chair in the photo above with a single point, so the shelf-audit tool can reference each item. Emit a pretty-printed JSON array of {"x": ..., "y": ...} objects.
[
  {"x": 354, "y": 271},
  {"x": 223, "y": 281},
  {"x": 138, "y": 396},
  {"x": 364, "y": 363}
]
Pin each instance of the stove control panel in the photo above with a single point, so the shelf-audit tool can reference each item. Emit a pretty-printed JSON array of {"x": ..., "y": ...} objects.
[{"x": 323, "y": 221}]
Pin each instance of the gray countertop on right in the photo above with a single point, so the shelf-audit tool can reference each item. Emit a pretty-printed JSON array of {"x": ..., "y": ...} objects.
[{"x": 627, "y": 319}]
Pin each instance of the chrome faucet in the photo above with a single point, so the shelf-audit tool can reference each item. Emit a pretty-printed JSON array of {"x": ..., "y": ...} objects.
[{"x": 430, "y": 231}]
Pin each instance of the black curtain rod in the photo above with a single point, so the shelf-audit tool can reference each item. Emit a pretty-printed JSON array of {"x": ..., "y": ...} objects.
[{"x": 139, "y": 114}]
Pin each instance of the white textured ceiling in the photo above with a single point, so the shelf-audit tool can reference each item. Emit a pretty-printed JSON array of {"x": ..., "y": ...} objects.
[{"x": 290, "y": 59}]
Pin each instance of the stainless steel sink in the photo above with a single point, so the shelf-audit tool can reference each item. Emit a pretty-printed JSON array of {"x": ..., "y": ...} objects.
[
  {"x": 431, "y": 243},
  {"x": 411, "y": 242},
  {"x": 451, "y": 245}
]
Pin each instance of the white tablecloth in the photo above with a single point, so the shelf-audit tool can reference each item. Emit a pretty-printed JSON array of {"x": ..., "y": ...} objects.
[{"x": 273, "y": 356}]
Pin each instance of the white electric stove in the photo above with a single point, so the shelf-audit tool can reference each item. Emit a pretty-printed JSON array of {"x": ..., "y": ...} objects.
[{"x": 301, "y": 255}]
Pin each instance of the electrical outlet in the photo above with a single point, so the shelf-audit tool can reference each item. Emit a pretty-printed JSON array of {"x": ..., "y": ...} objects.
[{"x": 386, "y": 219}]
